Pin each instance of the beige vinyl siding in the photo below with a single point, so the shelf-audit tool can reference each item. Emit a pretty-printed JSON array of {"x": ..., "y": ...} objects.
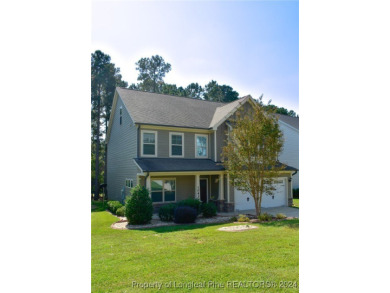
[
  {"x": 290, "y": 153},
  {"x": 121, "y": 149}
]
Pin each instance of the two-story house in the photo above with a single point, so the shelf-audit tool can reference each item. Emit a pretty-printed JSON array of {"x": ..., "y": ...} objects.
[
  {"x": 290, "y": 154},
  {"x": 172, "y": 145}
]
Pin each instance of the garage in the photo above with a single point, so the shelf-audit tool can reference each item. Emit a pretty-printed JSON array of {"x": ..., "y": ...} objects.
[{"x": 244, "y": 201}]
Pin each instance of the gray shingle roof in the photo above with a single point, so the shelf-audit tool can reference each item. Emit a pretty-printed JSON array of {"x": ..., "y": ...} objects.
[
  {"x": 292, "y": 121},
  {"x": 179, "y": 165},
  {"x": 159, "y": 109},
  {"x": 168, "y": 110},
  {"x": 170, "y": 165}
]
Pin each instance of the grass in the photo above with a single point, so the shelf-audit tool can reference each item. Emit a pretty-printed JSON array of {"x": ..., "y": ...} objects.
[
  {"x": 295, "y": 203},
  {"x": 193, "y": 253}
]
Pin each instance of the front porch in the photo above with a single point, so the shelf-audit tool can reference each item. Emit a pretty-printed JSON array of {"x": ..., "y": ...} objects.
[{"x": 172, "y": 187}]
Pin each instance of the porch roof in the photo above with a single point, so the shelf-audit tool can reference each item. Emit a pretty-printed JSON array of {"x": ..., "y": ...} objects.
[{"x": 174, "y": 165}]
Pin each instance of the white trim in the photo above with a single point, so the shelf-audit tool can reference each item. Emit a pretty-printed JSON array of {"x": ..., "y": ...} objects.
[
  {"x": 207, "y": 189},
  {"x": 170, "y": 144},
  {"x": 175, "y": 128},
  {"x": 215, "y": 145},
  {"x": 207, "y": 146},
  {"x": 163, "y": 193},
  {"x": 142, "y": 171},
  {"x": 155, "y": 143}
]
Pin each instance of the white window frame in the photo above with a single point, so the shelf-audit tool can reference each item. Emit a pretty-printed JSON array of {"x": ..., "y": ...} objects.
[
  {"x": 207, "y": 146},
  {"x": 130, "y": 181},
  {"x": 163, "y": 192},
  {"x": 155, "y": 143},
  {"x": 170, "y": 144}
]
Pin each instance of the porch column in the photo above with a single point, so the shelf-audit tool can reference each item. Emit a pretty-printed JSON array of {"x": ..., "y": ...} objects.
[
  {"x": 148, "y": 184},
  {"x": 220, "y": 187},
  {"x": 197, "y": 186},
  {"x": 228, "y": 187}
]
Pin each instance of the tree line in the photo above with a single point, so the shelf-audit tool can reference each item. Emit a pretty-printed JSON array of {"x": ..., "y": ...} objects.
[{"x": 105, "y": 77}]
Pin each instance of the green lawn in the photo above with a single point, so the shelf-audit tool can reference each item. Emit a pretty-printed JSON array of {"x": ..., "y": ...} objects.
[
  {"x": 296, "y": 202},
  {"x": 194, "y": 253}
]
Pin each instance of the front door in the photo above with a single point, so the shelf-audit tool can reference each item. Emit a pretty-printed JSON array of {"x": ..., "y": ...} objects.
[{"x": 203, "y": 190}]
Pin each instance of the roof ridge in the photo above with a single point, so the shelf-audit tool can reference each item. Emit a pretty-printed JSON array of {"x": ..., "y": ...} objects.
[{"x": 175, "y": 96}]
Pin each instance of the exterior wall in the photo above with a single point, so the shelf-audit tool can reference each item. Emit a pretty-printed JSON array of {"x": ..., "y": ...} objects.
[
  {"x": 221, "y": 139},
  {"x": 290, "y": 153},
  {"x": 121, "y": 149},
  {"x": 189, "y": 144}
]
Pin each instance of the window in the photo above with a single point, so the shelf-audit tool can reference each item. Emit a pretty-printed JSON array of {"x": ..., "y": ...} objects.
[
  {"x": 120, "y": 115},
  {"x": 201, "y": 142},
  {"x": 149, "y": 146},
  {"x": 129, "y": 183},
  {"x": 176, "y": 144},
  {"x": 163, "y": 190}
]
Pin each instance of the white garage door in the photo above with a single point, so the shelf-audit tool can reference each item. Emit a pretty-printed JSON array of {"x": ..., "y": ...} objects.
[{"x": 244, "y": 201}]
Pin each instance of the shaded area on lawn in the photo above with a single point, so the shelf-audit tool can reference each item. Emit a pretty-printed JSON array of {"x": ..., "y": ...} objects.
[{"x": 98, "y": 206}]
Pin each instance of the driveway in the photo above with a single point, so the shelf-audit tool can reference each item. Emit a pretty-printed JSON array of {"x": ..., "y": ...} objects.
[{"x": 288, "y": 211}]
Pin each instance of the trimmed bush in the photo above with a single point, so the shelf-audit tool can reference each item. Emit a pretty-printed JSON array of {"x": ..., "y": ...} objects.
[
  {"x": 191, "y": 202},
  {"x": 166, "y": 213},
  {"x": 265, "y": 217},
  {"x": 113, "y": 205},
  {"x": 209, "y": 210},
  {"x": 233, "y": 219},
  {"x": 281, "y": 216},
  {"x": 139, "y": 208},
  {"x": 185, "y": 214},
  {"x": 296, "y": 193},
  {"x": 121, "y": 211},
  {"x": 242, "y": 218}
]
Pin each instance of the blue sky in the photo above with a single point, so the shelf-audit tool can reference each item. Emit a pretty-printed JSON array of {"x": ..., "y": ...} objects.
[{"x": 252, "y": 46}]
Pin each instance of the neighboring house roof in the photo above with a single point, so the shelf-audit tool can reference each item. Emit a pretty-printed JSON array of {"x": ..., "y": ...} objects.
[
  {"x": 168, "y": 110},
  {"x": 169, "y": 165},
  {"x": 292, "y": 121}
]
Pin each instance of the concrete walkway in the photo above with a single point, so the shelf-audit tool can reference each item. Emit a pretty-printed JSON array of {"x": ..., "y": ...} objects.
[{"x": 288, "y": 211}]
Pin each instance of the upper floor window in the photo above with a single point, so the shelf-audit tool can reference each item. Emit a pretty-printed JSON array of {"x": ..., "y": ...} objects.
[
  {"x": 201, "y": 143},
  {"x": 176, "y": 144},
  {"x": 149, "y": 145},
  {"x": 120, "y": 115}
]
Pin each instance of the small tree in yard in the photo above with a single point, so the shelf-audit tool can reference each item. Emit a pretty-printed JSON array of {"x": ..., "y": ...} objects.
[
  {"x": 251, "y": 153},
  {"x": 139, "y": 208}
]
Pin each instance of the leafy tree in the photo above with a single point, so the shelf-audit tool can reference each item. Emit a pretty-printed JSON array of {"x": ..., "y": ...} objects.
[
  {"x": 194, "y": 90},
  {"x": 275, "y": 109},
  {"x": 151, "y": 72},
  {"x": 219, "y": 93},
  {"x": 251, "y": 153},
  {"x": 104, "y": 78}
]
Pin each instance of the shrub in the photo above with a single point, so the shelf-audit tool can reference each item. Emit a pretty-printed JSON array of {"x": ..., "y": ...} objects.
[
  {"x": 121, "y": 211},
  {"x": 209, "y": 210},
  {"x": 242, "y": 218},
  {"x": 113, "y": 205},
  {"x": 296, "y": 193},
  {"x": 139, "y": 208},
  {"x": 265, "y": 217},
  {"x": 185, "y": 214},
  {"x": 191, "y": 202},
  {"x": 281, "y": 216},
  {"x": 233, "y": 219},
  {"x": 166, "y": 213}
]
